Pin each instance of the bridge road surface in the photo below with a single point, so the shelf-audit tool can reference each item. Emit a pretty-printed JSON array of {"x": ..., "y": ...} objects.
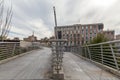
[
  {"x": 79, "y": 69},
  {"x": 32, "y": 66},
  {"x": 36, "y": 64}
]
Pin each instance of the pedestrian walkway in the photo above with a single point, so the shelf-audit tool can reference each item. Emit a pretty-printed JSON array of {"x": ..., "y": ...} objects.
[
  {"x": 32, "y": 66},
  {"x": 76, "y": 68},
  {"x": 36, "y": 64}
]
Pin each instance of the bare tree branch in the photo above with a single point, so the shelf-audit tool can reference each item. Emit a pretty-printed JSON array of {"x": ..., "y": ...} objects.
[{"x": 5, "y": 23}]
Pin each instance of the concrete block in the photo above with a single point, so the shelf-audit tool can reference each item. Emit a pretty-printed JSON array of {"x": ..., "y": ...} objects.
[{"x": 57, "y": 76}]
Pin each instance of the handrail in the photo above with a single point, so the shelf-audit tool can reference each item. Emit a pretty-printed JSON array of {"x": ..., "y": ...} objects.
[
  {"x": 105, "y": 53},
  {"x": 8, "y": 42},
  {"x": 108, "y": 42}
]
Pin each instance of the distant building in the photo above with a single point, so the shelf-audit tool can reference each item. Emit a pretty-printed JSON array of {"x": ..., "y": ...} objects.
[
  {"x": 53, "y": 37},
  {"x": 30, "y": 38},
  {"x": 78, "y": 34},
  {"x": 16, "y": 38},
  {"x": 109, "y": 34},
  {"x": 118, "y": 44},
  {"x": 118, "y": 37},
  {"x": 44, "y": 41}
]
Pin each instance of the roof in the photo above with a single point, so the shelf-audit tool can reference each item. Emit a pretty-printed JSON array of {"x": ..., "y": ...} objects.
[{"x": 80, "y": 25}]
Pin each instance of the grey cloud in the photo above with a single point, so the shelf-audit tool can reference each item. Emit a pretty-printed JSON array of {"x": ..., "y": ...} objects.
[{"x": 68, "y": 12}]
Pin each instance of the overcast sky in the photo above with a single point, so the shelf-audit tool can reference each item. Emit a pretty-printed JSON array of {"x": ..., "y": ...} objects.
[{"x": 37, "y": 15}]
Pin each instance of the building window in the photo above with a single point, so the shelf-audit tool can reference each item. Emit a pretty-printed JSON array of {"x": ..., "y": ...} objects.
[
  {"x": 78, "y": 35},
  {"x": 86, "y": 38},
  {"x": 78, "y": 43},
  {"x": 74, "y": 42},
  {"x": 86, "y": 27},
  {"x": 74, "y": 35},
  {"x": 74, "y": 27},
  {"x": 82, "y": 27},
  {"x": 82, "y": 35},
  {"x": 90, "y": 27},
  {"x": 82, "y": 31},
  {"x": 71, "y": 32}
]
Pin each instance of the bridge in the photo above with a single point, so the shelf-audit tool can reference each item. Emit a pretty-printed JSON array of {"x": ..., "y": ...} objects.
[{"x": 88, "y": 62}]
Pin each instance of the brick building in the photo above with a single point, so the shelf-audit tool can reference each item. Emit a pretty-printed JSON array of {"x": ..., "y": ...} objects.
[
  {"x": 118, "y": 37},
  {"x": 30, "y": 38},
  {"x": 109, "y": 34},
  {"x": 78, "y": 34}
]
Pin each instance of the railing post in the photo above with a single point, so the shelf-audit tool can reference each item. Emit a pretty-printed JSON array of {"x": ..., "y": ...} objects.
[
  {"x": 81, "y": 51},
  {"x": 85, "y": 52},
  {"x": 101, "y": 46},
  {"x": 89, "y": 52},
  {"x": 114, "y": 56},
  {"x": 14, "y": 49}
]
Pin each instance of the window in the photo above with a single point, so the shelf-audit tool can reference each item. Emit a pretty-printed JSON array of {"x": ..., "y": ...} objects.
[
  {"x": 90, "y": 27},
  {"x": 74, "y": 42},
  {"x": 82, "y": 35},
  {"x": 74, "y": 35},
  {"x": 71, "y": 32},
  {"x": 86, "y": 27},
  {"x": 75, "y": 27},
  {"x": 78, "y": 42},
  {"x": 59, "y": 34},
  {"x": 78, "y": 35},
  {"x": 82, "y": 31},
  {"x": 82, "y": 27},
  {"x": 67, "y": 35},
  {"x": 86, "y": 38},
  {"x": 100, "y": 26}
]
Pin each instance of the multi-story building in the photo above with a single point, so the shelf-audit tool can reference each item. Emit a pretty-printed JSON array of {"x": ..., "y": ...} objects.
[
  {"x": 118, "y": 37},
  {"x": 30, "y": 38},
  {"x": 109, "y": 34},
  {"x": 78, "y": 34}
]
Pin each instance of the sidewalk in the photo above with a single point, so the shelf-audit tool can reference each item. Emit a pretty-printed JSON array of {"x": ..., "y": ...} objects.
[{"x": 76, "y": 68}]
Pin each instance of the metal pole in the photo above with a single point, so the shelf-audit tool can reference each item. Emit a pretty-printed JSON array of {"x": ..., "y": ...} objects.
[
  {"x": 13, "y": 52},
  {"x": 89, "y": 52},
  {"x": 114, "y": 57},
  {"x": 101, "y": 53},
  {"x": 55, "y": 18}
]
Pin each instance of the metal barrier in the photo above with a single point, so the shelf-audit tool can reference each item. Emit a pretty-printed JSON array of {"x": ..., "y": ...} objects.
[
  {"x": 106, "y": 53},
  {"x": 9, "y": 49}
]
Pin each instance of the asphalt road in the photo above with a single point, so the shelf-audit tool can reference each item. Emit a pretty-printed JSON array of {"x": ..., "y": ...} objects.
[
  {"x": 79, "y": 69},
  {"x": 32, "y": 66}
]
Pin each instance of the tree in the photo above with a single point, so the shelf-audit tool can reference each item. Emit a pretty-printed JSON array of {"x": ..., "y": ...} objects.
[
  {"x": 5, "y": 20},
  {"x": 98, "y": 39}
]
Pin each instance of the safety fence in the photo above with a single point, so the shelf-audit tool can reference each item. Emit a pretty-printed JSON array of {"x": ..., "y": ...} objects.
[
  {"x": 10, "y": 49},
  {"x": 106, "y": 53}
]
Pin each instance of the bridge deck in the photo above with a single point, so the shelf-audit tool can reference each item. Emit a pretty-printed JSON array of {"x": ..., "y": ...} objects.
[
  {"x": 32, "y": 66},
  {"x": 79, "y": 69},
  {"x": 36, "y": 64}
]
